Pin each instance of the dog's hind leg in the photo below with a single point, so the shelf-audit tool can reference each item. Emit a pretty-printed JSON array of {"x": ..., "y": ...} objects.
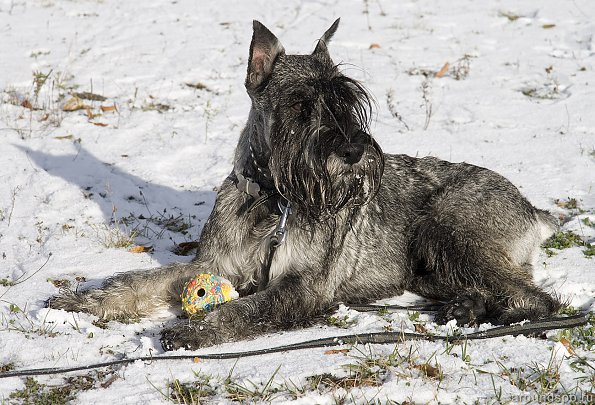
[
  {"x": 473, "y": 249},
  {"x": 485, "y": 289},
  {"x": 129, "y": 295}
]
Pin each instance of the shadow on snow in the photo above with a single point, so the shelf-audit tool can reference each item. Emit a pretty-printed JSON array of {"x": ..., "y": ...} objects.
[{"x": 124, "y": 198}]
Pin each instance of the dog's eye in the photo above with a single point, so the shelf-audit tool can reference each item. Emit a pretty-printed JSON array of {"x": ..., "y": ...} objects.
[{"x": 297, "y": 107}]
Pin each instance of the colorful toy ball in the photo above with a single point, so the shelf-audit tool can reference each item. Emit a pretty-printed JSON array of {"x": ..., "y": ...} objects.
[{"x": 205, "y": 291}]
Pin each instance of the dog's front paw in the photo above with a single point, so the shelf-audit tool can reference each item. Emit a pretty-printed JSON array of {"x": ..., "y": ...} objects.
[
  {"x": 467, "y": 310},
  {"x": 189, "y": 335}
]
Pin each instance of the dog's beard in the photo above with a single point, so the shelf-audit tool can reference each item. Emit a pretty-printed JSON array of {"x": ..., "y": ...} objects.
[
  {"x": 355, "y": 185},
  {"x": 318, "y": 188},
  {"x": 308, "y": 173}
]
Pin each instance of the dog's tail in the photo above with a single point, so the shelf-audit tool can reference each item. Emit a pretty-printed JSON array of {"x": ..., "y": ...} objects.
[{"x": 548, "y": 224}]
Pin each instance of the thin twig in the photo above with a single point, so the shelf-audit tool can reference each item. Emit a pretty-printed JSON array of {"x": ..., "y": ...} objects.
[
  {"x": 367, "y": 13},
  {"x": 19, "y": 281},
  {"x": 13, "y": 198},
  {"x": 393, "y": 109},
  {"x": 426, "y": 88}
]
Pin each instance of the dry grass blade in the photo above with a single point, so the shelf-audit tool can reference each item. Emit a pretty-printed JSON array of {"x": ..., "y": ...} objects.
[{"x": 74, "y": 104}]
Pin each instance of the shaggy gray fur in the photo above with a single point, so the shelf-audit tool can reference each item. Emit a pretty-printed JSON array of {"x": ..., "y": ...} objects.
[{"x": 364, "y": 225}]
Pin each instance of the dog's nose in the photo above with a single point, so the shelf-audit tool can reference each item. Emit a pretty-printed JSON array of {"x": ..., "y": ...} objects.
[{"x": 351, "y": 153}]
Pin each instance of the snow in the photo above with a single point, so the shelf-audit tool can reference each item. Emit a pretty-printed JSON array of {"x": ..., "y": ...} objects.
[{"x": 523, "y": 106}]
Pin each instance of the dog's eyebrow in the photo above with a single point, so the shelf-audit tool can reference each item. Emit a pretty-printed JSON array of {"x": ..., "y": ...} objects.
[
  {"x": 332, "y": 114},
  {"x": 299, "y": 95}
]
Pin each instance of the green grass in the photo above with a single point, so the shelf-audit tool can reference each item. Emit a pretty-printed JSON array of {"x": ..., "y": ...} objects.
[
  {"x": 5, "y": 368},
  {"x": 191, "y": 392},
  {"x": 342, "y": 322},
  {"x": 204, "y": 387},
  {"x": 154, "y": 226},
  {"x": 569, "y": 203},
  {"x": 41, "y": 394},
  {"x": 581, "y": 337},
  {"x": 248, "y": 391},
  {"x": 372, "y": 370},
  {"x": 564, "y": 240},
  {"x": 37, "y": 393},
  {"x": 18, "y": 320},
  {"x": 4, "y": 282},
  {"x": 589, "y": 251}
]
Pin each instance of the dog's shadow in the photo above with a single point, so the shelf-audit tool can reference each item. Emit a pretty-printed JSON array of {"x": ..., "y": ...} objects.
[{"x": 166, "y": 215}]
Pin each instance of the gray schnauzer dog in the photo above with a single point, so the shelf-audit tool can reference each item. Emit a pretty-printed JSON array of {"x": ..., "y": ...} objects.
[{"x": 362, "y": 225}]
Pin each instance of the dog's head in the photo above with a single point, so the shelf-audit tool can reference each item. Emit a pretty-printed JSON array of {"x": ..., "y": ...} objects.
[{"x": 310, "y": 127}]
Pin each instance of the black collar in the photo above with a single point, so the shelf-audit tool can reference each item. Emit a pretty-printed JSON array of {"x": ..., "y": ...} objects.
[{"x": 256, "y": 181}]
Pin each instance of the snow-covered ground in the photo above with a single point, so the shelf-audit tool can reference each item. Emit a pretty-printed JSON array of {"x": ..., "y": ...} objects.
[{"x": 517, "y": 96}]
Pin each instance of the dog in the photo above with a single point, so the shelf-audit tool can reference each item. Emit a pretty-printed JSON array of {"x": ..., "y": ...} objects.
[{"x": 315, "y": 214}]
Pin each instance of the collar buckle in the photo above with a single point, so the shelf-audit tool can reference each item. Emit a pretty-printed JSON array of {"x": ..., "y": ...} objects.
[{"x": 248, "y": 186}]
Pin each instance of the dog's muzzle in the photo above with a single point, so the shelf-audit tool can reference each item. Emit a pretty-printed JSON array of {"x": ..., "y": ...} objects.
[{"x": 353, "y": 156}]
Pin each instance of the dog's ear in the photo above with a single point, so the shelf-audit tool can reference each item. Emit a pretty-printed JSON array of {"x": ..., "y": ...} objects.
[
  {"x": 264, "y": 49},
  {"x": 321, "y": 47}
]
